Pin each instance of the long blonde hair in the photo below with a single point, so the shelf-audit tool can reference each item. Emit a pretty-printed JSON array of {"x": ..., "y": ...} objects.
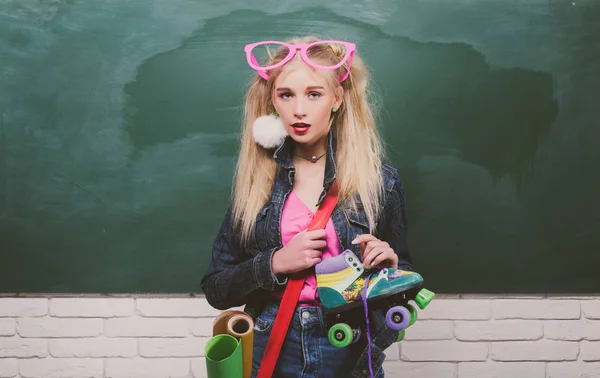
[{"x": 359, "y": 147}]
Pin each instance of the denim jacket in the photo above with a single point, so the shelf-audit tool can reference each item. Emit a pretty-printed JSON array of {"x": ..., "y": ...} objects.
[{"x": 242, "y": 275}]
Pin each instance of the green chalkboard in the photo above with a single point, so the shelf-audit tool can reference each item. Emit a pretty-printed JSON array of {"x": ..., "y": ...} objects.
[{"x": 119, "y": 128}]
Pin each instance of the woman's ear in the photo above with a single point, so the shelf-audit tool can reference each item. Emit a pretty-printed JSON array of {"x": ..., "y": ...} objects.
[
  {"x": 339, "y": 97},
  {"x": 273, "y": 100}
]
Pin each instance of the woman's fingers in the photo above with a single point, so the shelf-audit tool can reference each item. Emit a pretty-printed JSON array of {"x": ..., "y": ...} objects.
[
  {"x": 380, "y": 254},
  {"x": 313, "y": 257},
  {"x": 316, "y": 234},
  {"x": 315, "y": 261},
  {"x": 371, "y": 255},
  {"x": 387, "y": 256},
  {"x": 316, "y": 244},
  {"x": 363, "y": 238},
  {"x": 313, "y": 253},
  {"x": 370, "y": 246}
]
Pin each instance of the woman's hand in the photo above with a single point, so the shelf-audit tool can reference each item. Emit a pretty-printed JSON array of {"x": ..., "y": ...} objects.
[
  {"x": 375, "y": 252},
  {"x": 302, "y": 252}
]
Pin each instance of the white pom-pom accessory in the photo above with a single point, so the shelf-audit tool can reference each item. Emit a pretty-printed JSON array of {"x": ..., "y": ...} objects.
[{"x": 269, "y": 131}]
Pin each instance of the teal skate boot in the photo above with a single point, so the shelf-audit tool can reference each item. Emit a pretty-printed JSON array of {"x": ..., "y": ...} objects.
[{"x": 341, "y": 284}]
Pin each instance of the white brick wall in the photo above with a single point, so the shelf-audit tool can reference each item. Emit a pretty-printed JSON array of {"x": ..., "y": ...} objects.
[{"x": 146, "y": 337}]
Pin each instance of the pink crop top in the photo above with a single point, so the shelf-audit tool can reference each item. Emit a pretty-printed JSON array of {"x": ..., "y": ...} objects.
[{"x": 296, "y": 217}]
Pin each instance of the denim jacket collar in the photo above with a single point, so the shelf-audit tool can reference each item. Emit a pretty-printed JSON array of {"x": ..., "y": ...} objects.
[{"x": 283, "y": 157}]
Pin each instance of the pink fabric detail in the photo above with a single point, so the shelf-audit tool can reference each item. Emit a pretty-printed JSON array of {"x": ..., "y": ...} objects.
[
  {"x": 296, "y": 217},
  {"x": 398, "y": 273}
]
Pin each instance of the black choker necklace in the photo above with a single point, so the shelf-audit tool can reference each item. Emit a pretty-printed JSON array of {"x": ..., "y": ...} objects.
[{"x": 313, "y": 159}]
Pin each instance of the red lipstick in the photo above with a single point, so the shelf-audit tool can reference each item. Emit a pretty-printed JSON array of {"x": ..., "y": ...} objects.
[{"x": 300, "y": 127}]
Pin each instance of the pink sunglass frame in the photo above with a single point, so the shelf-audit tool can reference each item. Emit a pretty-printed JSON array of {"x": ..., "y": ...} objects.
[{"x": 350, "y": 48}]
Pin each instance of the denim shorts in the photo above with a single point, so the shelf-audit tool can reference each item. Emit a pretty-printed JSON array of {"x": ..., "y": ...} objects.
[{"x": 306, "y": 351}]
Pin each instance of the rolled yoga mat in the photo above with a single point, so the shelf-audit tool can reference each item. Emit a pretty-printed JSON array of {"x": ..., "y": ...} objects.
[{"x": 239, "y": 325}]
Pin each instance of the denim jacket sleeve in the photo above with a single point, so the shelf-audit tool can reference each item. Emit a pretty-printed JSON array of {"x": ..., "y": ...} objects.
[
  {"x": 393, "y": 225},
  {"x": 236, "y": 273}
]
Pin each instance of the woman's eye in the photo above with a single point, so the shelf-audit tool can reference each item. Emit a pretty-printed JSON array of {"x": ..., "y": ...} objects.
[
  {"x": 314, "y": 95},
  {"x": 285, "y": 95}
]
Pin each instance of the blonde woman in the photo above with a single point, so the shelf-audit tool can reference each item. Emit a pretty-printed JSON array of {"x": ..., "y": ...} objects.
[{"x": 308, "y": 122}]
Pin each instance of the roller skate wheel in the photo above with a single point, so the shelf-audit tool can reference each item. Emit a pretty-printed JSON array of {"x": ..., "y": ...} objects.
[
  {"x": 340, "y": 335},
  {"x": 401, "y": 335},
  {"x": 423, "y": 298},
  {"x": 413, "y": 314},
  {"x": 398, "y": 318}
]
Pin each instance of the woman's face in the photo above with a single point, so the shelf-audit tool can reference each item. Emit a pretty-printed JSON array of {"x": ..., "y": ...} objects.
[{"x": 304, "y": 100}]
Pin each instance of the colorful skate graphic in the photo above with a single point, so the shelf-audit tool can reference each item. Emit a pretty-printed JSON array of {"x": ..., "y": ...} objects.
[{"x": 341, "y": 287}]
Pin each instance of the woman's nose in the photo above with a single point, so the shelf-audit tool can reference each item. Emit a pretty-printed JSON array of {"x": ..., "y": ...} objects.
[{"x": 299, "y": 110}]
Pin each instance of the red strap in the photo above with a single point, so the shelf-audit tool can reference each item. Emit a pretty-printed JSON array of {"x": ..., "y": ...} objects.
[{"x": 292, "y": 293}]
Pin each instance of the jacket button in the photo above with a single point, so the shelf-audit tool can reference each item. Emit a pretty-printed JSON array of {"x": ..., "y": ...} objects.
[{"x": 305, "y": 315}]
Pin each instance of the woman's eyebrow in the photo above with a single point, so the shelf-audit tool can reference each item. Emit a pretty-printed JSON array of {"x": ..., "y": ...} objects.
[{"x": 307, "y": 88}]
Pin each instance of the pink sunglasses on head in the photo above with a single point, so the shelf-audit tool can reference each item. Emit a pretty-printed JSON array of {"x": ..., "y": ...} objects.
[{"x": 255, "y": 48}]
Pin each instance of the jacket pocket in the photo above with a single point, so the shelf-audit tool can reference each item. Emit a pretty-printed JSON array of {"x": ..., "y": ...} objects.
[{"x": 264, "y": 322}]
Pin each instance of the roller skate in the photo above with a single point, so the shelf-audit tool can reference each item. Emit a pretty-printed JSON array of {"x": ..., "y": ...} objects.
[{"x": 341, "y": 282}]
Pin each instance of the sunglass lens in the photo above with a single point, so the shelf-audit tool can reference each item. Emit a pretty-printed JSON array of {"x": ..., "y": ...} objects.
[
  {"x": 269, "y": 54},
  {"x": 321, "y": 54}
]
